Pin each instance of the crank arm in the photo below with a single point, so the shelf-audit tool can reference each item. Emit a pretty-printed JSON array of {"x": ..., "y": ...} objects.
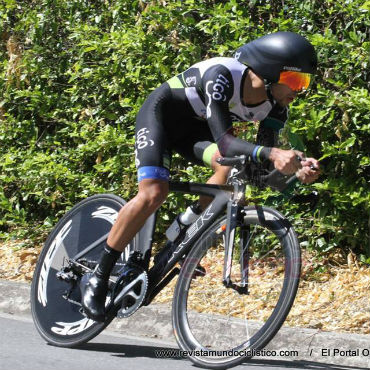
[{"x": 127, "y": 288}]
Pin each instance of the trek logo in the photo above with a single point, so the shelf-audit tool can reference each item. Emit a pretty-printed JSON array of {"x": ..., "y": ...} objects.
[
  {"x": 141, "y": 139},
  {"x": 193, "y": 229}
]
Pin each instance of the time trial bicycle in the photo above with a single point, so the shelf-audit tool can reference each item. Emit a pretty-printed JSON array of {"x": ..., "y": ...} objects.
[{"x": 238, "y": 269}]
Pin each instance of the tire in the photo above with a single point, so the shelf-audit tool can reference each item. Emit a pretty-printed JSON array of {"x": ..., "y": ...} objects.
[
  {"x": 208, "y": 316},
  {"x": 59, "y": 321}
]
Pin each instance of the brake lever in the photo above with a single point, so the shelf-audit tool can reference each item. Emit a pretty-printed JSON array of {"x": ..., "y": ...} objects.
[{"x": 312, "y": 166}]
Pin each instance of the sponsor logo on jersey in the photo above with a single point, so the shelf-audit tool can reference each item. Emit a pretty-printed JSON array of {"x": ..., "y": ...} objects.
[
  {"x": 141, "y": 139},
  {"x": 219, "y": 87},
  {"x": 217, "y": 92},
  {"x": 191, "y": 80},
  {"x": 137, "y": 160}
]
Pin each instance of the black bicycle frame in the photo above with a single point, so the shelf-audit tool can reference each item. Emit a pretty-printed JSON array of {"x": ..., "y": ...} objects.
[
  {"x": 225, "y": 198},
  {"x": 221, "y": 195}
]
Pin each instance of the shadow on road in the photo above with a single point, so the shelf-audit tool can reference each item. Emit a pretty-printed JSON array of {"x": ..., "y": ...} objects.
[{"x": 127, "y": 350}]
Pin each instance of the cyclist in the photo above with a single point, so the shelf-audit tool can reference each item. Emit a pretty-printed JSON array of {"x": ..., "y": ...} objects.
[{"x": 193, "y": 112}]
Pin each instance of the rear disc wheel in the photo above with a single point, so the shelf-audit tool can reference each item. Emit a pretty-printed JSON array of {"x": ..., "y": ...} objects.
[{"x": 55, "y": 303}]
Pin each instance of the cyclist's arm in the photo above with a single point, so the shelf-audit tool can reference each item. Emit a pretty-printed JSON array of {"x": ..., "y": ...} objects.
[
  {"x": 218, "y": 89},
  {"x": 269, "y": 135},
  {"x": 269, "y": 128}
]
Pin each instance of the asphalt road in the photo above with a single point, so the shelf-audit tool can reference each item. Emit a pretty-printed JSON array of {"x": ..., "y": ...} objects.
[{"x": 23, "y": 348}]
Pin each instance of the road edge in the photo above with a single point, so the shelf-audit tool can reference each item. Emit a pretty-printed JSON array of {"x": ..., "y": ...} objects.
[{"x": 154, "y": 321}]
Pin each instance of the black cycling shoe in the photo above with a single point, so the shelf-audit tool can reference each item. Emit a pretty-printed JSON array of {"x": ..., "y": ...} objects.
[{"x": 93, "y": 295}]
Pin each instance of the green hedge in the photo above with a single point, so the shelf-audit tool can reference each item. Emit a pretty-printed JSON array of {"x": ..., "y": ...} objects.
[{"x": 74, "y": 74}]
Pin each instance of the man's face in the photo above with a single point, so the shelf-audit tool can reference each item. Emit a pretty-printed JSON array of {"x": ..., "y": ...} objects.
[{"x": 283, "y": 94}]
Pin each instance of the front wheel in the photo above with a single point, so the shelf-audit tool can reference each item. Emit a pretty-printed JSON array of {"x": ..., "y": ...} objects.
[
  {"x": 220, "y": 326},
  {"x": 55, "y": 302}
]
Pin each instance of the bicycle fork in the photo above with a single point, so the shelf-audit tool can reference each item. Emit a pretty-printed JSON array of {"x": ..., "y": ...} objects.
[{"x": 235, "y": 218}]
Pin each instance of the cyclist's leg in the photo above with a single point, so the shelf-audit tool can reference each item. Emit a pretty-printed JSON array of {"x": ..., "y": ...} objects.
[
  {"x": 209, "y": 153},
  {"x": 220, "y": 173},
  {"x": 206, "y": 153},
  {"x": 152, "y": 160},
  {"x": 152, "y": 193}
]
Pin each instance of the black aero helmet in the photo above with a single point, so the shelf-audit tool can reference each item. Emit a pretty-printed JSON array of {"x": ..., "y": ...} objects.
[{"x": 281, "y": 51}]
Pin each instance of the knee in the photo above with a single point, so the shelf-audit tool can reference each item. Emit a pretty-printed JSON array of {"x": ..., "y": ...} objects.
[{"x": 153, "y": 195}]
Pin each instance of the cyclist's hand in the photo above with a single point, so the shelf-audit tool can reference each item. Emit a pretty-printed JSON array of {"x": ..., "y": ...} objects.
[
  {"x": 309, "y": 172},
  {"x": 286, "y": 161}
]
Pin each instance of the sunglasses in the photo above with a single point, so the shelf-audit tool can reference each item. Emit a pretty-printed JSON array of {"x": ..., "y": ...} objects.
[{"x": 297, "y": 81}]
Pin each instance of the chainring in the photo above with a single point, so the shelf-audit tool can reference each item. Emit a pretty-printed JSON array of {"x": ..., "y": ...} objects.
[{"x": 134, "y": 279}]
